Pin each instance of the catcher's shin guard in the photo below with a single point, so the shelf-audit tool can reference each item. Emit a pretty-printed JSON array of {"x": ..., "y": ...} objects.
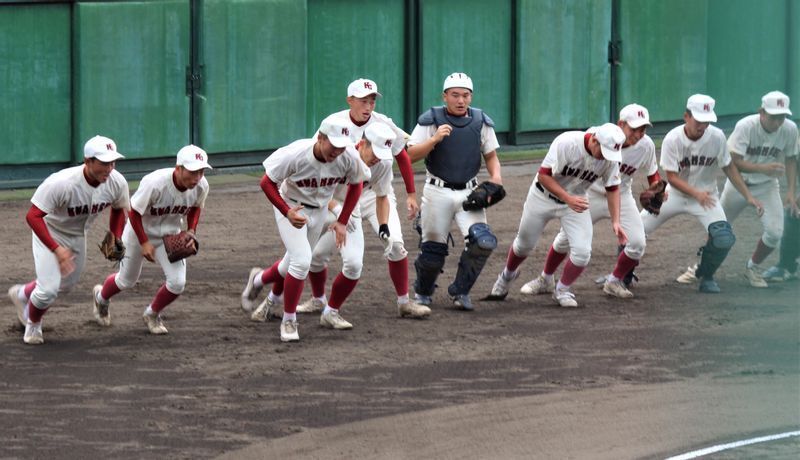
[
  {"x": 429, "y": 265},
  {"x": 480, "y": 244},
  {"x": 720, "y": 242}
]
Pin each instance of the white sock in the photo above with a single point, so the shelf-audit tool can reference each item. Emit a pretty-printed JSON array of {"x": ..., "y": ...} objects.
[
  {"x": 149, "y": 311},
  {"x": 323, "y": 300},
  {"x": 257, "y": 283},
  {"x": 289, "y": 317},
  {"x": 402, "y": 299},
  {"x": 507, "y": 275},
  {"x": 275, "y": 298},
  {"x": 21, "y": 295},
  {"x": 547, "y": 277},
  {"x": 562, "y": 287},
  {"x": 750, "y": 263},
  {"x": 611, "y": 278},
  {"x": 328, "y": 309}
]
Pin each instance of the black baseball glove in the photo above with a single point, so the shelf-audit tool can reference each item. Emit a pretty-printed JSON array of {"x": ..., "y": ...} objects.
[
  {"x": 653, "y": 197},
  {"x": 484, "y": 195},
  {"x": 112, "y": 248}
]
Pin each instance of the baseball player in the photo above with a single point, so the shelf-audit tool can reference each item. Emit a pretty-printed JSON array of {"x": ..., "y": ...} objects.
[
  {"x": 165, "y": 200},
  {"x": 691, "y": 155},
  {"x": 308, "y": 171},
  {"x": 787, "y": 267},
  {"x": 377, "y": 205},
  {"x": 573, "y": 163},
  {"x": 452, "y": 139},
  {"x": 763, "y": 147},
  {"x": 64, "y": 206},
  {"x": 638, "y": 154}
]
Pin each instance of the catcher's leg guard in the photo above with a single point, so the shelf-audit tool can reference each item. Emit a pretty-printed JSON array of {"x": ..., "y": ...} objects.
[
  {"x": 429, "y": 265},
  {"x": 480, "y": 244},
  {"x": 720, "y": 242}
]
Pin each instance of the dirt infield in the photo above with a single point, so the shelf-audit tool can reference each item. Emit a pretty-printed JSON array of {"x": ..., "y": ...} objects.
[{"x": 452, "y": 386}]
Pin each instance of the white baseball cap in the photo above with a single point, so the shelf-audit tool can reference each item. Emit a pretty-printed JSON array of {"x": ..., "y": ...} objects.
[
  {"x": 611, "y": 138},
  {"x": 193, "y": 158},
  {"x": 102, "y": 148},
  {"x": 362, "y": 88},
  {"x": 702, "y": 108},
  {"x": 381, "y": 137},
  {"x": 635, "y": 115},
  {"x": 337, "y": 131},
  {"x": 457, "y": 80},
  {"x": 776, "y": 103}
]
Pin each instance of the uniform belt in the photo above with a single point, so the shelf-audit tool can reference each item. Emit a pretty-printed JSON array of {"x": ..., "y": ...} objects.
[
  {"x": 548, "y": 194},
  {"x": 472, "y": 183},
  {"x": 305, "y": 205}
]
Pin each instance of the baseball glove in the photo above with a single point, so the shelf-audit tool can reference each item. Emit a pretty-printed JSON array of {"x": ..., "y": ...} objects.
[
  {"x": 485, "y": 194},
  {"x": 180, "y": 246},
  {"x": 112, "y": 248},
  {"x": 652, "y": 197}
]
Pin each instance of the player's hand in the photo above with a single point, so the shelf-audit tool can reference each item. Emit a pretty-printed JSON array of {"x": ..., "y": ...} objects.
[
  {"x": 411, "y": 206},
  {"x": 706, "y": 200},
  {"x": 66, "y": 260},
  {"x": 578, "y": 203},
  {"x": 774, "y": 169},
  {"x": 790, "y": 204},
  {"x": 340, "y": 231},
  {"x": 149, "y": 251},
  {"x": 296, "y": 216},
  {"x": 622, "y": 237},
  {"x": 442, "y": 132},
  {"x": 383, "y": 232},
  {"x": 758, "y": 205}
]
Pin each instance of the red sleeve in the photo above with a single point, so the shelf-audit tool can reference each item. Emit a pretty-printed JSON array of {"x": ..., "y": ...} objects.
[
  {"x": 35, "y": 219},
  {"x": 138, "y": 228},
  {"x": 654, "y": 178},
  {"x": 274, "y": 195},
  {"x": 612, "y": 188},
  {"x": 193, "y": 218},
  {"x": 350, "y": 201},
  {"x": 404, "y": 163},
  {"x": 545, "y": 171},
  {"x": 116, "y": 222}
]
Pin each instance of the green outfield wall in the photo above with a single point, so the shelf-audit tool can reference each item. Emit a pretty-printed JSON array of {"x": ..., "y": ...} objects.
[{"x": 244, "y": 77}]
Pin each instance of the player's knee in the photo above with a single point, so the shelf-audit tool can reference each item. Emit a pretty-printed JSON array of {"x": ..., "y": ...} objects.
[
  {"x": 318, "y": 264},
  {"x": 43, "y": 296},
  {"x": 635, "y": 248},
  {"x": 176, "y": 284},
  {"x": 580, "y": 256},
  {"x": 480, "y": 238},
  {"x": 721, "y": 235},
  {"x": 396, "y": 251},
  {"x": 124, "y": 282},
  {"x": 352, "y": 269},
  {"x": 561, "y": 244},
  {"x": 772, "y": 237}
]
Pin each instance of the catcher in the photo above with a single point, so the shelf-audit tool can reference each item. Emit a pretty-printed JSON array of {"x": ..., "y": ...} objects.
[{"x": 165, "y": 198}]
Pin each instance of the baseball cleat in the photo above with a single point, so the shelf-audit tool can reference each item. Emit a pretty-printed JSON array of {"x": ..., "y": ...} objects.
[
  {"x": 617, "y": 289},
  {"x": 289, "y": 331},
  {"x": 33, "y": 333},
  {"x": 772, "y": 274},
  {"x": 538, "y": 285},
  {"x": 19, "y": 306},
  {"x": 565, "y": 297},
  {"x": 500, "y": 288},
  {"x": 601, "y": 280},
  {"x": 688, "y": 277},
  {"x": 412, "y": 310},
  {"x": 421, "y": 299},
  {"x": 333, "y": 320},
  {"x": 754, "y": 277},
  {"x": 463, "y": 302},
  {"x": 268, "y": 310},
  {"x": 312, "y": 305},
  {"x": 154, "y": 324},
  {"x": 250, "y": 292},
  {"x": 100, "y": 310},
  {"x": 709, "y": 286}
]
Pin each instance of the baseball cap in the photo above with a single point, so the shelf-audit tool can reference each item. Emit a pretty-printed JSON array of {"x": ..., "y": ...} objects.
[
  {"x": 702, "y": 108},
  {"x": 102, "y": 148},
  {"x": 457, "y": 80},
  {"x": 362, "y": 88},
  {"x": 337, "y": 131},
  {"x": 611, "y": 138},
  {"x": 381, "y": 137},
  {"x": 776, "y": 103},
  {"x": 193, "y": 158},
  {"x": 635, "y": 116}
]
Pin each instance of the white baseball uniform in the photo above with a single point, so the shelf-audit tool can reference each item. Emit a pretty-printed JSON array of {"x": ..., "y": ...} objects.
[
  {"x": 71, "y": 205},
  {"x": 698, "y": 163},
  {"x": 638, "y": 157},
  {"x": 575, "y": 169},
  {"x": 310, "y": 182},
  {"x": 756, "y": 145},
  {"x": 163, "y": 208}
]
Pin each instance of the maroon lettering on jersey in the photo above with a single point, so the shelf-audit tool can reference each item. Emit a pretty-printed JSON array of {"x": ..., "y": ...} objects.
[
  {"x": 764, "y": 151},
  {"x": 626, "y": 169},
  {"x": 323, "y": 182},
  {"x": 589, "y": 176}
]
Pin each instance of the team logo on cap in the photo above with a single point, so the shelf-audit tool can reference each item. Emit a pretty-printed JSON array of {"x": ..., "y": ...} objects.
[
  {"x": 367, "y": 85},
  {"x": 198, "y": 156},
  {"x": 388, "y": 143},
  {"x": 640, "y": 114},
  {"x": 110, "y": 147},
  {"x": 780, "y": 103},
  {"x": 345, "y": 131},
  {"x": 617, "y": 146},
  {"x": 706, "y": 107}
]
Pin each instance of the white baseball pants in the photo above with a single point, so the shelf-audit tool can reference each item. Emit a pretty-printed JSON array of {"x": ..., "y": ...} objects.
[
  {"x": 130, "y": 268},
  {"x": 769, "y": 194}
]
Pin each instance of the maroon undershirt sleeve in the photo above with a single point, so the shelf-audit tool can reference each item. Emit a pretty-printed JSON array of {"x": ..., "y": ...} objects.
[
  {"x": 270, "y": 189},
  {"x": 404, "y": 163},
  {"x": 138, "y": 228},
  {"x": 116, "y": 222},
  {"x": 35, "y": 219},
  {"x": 193, "y": 218},
  {"x": 350, "y": 201}
]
